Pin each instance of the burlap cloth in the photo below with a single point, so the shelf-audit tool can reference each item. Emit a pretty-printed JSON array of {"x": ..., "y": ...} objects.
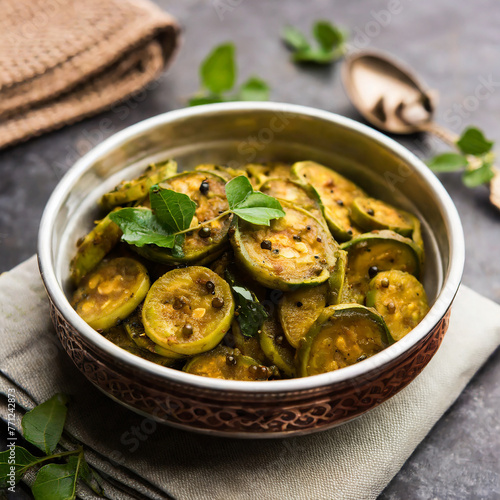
[
  {"x": 62, "y": 60},
  {"x": 142, "y": 459}
]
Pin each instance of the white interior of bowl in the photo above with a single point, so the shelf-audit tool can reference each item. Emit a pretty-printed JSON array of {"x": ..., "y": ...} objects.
[{"x": 238, "y": 133}]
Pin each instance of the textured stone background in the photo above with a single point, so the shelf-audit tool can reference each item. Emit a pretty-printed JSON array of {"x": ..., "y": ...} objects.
[{"x": 453, "y": 45}]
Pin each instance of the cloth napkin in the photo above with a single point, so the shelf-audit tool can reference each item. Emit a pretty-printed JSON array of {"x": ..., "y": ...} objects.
[
  {"x": 142, "y": 459},
  {"x": 63, "y": 60}
]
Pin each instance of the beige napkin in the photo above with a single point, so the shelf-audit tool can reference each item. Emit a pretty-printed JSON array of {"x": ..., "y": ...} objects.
[
  {"x": 354, "y": 461},
  {"x": 63, "y": 60}
]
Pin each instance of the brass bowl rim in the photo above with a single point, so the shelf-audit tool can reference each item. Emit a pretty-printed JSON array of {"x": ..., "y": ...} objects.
[{"x": 313, "y": 383}]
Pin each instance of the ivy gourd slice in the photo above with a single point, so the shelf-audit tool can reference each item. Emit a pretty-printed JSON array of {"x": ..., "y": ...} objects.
[
  {"x": 417, "y": 236},
  {"x": 207, "y": 190},
  {"x": 337, "y": 195},
  {"x": 93, "y": 248},
  {"x": 188, "y": 311},
  {"x": 342, "y": 335},
  {"x": 137, "y": 189},
  {"x": 225, "y": 172},
  {"x": 298, "y": 310},
  {"x": 111, "y": 292},
  {"x": 301, "y": 195},
  {"x": 370, "y": 214},
  {"x": 337, "y": 279},
  {"x": 400, "y": 299},
  {"x": 248, "y": 346},
  {"x": 276, "y": 347},
  {"x": 137, "y": 334},
  {"x": 373, "y": 252},
  {"x": 295, "y": 250},
  {"x": 229, "y": 364},
  {"x": 258, "y": 173},
  {"x": 118, "y": 336}
]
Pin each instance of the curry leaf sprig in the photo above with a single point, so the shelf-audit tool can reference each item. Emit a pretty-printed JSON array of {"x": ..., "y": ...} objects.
[
  {"x": 218, "y": 77},
  {"x": 330, "y": 43},
  {"x": 43, "y": 427},
  {"x": 475, "y": 158},
  {"x": 171, "y": 214}
]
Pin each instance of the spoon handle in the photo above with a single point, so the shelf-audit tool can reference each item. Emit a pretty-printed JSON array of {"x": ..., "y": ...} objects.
[{"x": 443, "y": 133}]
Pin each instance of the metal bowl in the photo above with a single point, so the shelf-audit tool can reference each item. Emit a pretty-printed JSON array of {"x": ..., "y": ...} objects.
[{"x": 238, "y": 133}]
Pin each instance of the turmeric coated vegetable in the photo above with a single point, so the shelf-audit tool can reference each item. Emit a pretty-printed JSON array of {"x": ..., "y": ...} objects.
[{"x": 332, "y": 282}]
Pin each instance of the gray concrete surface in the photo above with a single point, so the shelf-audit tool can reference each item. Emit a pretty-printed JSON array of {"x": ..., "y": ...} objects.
[{"x": 455, "y": 46}]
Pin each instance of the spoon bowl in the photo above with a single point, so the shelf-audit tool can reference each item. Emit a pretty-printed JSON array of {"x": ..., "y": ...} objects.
[{"x": 387, "y": 93}]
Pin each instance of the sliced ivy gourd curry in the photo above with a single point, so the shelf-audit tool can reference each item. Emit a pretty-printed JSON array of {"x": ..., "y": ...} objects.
[{"x": 264, "y": 271}]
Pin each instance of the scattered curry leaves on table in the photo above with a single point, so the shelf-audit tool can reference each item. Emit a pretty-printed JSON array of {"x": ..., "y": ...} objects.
[
  {"x": 172, "y": 214},
  {"x": 329, "y": 43},
  {"x": 218, "y": 74},
  {"x": 43, "y": 427},
  {"x": 474, "y": 157},
  {"x": 251, "y": 313}
]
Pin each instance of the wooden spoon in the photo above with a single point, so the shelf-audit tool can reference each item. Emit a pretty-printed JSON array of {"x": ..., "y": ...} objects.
[{"x": 390, "y": 96}]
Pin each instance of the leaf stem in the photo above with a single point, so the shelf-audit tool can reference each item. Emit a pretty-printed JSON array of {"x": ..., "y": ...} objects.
[
  {"x": 52, "y": 457},
  {"x": 220, "y": 216},
  {"x": 77, "y": 470}
]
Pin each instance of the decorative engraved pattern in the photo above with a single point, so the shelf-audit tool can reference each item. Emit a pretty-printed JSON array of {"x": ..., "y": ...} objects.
[{"x": 229, "y": 413}]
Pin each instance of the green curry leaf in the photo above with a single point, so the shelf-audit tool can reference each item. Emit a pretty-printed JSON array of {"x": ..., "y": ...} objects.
[
  {"x": 473, "y": 142},
  {"x": 475, "y": 158},
  {"x": 90, "y": 477},
  {"x": 252, "y": 206},
  {"x": 294, "y": 38},
  {"x": 478, "y": 176},
  {"x": 447, "y": 162},
  {"x": 251, "y": 313},
  {"x": 140, "y": 227},
  {"x": 238, "y": 190},
  {"x": 58, "y": 481},
  {"x": 218, "y": 77},
  {"x": 330, "y": 43},
  {"x": 327, "y": 35},
  {"x": 19, "y": 458},
  {"x": 208, "y": 99},
  {"x": 254, "y": 89},
  {"x": 218, "y": 70},
  {"x": 43, "y": 425},
  {"x": 173, "y": 210}
]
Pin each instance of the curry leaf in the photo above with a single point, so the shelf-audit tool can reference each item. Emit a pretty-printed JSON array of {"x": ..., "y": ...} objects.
[
  {"x": 43, "y": 425},
  {"x": 140, "y": 227},
  {"x": 209, "y": 99},
  {"x": 252, "y": 206},
  {"x": 330, "y": 43},
  {"x": 327, "y": 35},
  {"x": 258, "y": 215},
  {"x": 447, "y": 162},
  {"x": 174, "y": 211},
  {"x": 19, "y": 458},
  {"x": 218, "y": 70},
  {"x": 251, "y": 313},
  {"x": 478, "y": 176},
  {"x": 254, "y": 89},
  {"x": 58, "y": 481},
  {"x": 473, "y": 142},
  {"x": 259, "y": 208},
  {"x": 294, "y": 38},
  {"x": 237, "y": 190},
  {"x": 90, "y": 477},
  {"x": 218, "y": 77},
  {"x": 318, "y": 56}
]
